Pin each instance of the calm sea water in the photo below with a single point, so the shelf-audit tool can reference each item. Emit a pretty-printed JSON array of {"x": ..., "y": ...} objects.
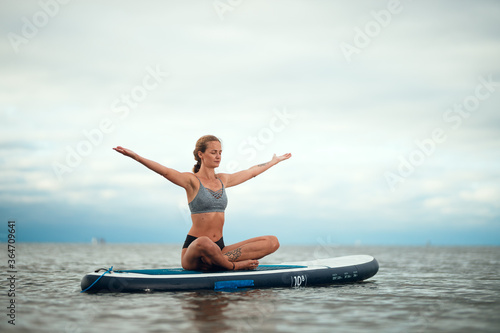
[{"x": 417, "y": 289}]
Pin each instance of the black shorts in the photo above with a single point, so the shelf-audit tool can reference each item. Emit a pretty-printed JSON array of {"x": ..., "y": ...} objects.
[{"x": 190, "y": 239}]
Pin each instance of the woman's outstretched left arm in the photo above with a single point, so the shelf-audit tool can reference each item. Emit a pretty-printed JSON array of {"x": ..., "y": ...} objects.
[{"x": 242, "y": 176}]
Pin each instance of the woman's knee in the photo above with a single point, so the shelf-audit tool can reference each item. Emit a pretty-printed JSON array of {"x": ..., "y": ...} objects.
[
  {"x": 204, "y": 244},
  {"x": 198, "y": 249},
  {"x": 274, "y": 244}
]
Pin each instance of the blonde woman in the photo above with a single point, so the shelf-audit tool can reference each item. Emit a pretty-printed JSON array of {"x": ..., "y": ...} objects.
[{"x": 204, "y": 248}]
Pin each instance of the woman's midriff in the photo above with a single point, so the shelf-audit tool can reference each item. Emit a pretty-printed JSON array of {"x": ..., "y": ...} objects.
[{"x": 207, "y": 224}]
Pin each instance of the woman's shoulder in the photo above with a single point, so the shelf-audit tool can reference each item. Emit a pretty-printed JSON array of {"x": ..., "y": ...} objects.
[{"x": 223, "y": 177}]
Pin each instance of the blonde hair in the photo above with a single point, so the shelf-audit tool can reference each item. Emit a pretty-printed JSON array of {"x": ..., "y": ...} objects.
[{"x": 201, "y": 145}]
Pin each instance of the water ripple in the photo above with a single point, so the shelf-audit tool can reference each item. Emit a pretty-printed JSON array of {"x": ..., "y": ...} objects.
[{"x": 416, "y": 290}]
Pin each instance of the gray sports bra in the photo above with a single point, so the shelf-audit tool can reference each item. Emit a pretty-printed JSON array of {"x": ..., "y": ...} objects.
[{"x": 207, "y": 201}]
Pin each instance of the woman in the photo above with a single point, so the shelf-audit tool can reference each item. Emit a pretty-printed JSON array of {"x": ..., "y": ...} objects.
[{"x": 204, "y": 247}]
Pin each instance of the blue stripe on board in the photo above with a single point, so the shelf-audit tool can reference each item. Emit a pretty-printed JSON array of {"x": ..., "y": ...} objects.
[{"x": 235, "y": 284}]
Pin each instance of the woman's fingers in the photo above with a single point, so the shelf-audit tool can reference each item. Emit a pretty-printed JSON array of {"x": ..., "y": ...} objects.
[{"x": 124, "y": 151}]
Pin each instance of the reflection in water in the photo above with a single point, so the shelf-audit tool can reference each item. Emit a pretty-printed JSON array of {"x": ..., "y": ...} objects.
[{"x": 236, "y": 311}]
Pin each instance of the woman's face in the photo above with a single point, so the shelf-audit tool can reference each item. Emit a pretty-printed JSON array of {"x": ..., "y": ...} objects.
[{"x": 212, "y": 156}]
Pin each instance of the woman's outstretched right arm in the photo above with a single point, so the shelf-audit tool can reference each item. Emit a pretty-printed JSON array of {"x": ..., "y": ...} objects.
[{"x": 176, "y": 177}]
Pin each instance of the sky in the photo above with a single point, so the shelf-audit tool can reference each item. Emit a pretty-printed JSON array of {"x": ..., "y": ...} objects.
[{"x": 389, "y": 108}]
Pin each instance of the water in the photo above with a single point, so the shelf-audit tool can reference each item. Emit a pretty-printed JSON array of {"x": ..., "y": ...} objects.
[{"x": 417, "y": 289}]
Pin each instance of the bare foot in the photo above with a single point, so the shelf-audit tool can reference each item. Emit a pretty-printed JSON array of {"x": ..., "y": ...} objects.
[{"x": 246, "y": 265}]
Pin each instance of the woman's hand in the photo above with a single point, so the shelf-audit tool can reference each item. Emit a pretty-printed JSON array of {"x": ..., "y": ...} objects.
[
  {"x": 126, "y": 152},
  {"x": 277, "y": 159}
]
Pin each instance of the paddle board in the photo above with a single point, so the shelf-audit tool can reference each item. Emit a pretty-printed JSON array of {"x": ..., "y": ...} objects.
[{"x": 317, "y": 272}]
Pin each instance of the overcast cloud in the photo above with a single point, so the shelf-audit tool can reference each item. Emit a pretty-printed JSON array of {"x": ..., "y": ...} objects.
[{"x": 390, "y": 109}]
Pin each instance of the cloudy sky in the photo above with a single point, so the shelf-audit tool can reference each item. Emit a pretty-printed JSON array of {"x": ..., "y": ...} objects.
[{"x": 390, "y": 109}]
